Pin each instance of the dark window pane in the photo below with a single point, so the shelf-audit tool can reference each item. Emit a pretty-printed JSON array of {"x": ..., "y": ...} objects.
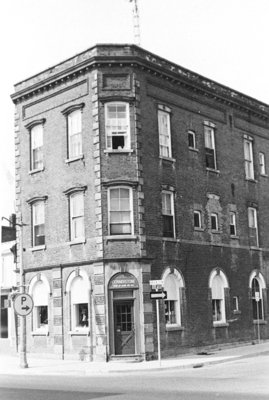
[
  {"x": 168, "y": 226},
  {"x": 197, "y": 220},
  {"x": 210, "y": 158},
  {"x": 191, "y": 139}
]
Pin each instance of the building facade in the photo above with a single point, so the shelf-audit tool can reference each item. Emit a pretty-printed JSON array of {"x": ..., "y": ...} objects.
[
  {"x": 130, "y": 168},
  {"x": 7, "y": 283}
]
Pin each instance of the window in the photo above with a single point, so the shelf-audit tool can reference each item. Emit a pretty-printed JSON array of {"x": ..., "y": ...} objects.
[
  {"x": 248, "y": 154},
  {"x": 257, "y": 300},
  {"x": 120, "y": 211},
  {"x": 164, "y": 133},
  {"x": 38, "y": 223},
  {"x": 79, "y": 302},
  {"x": 210, "y": 152},
  {"x": 232, "y": 223},
  {"x": 191, "y": 140},
  {"x": 36, "y": 137},
  {"x": 218, "y": 283},
  {"x": 117, "y": 122},
  {"x": 77, "y": 216},
  {"x": 214, "y": 222},
  {"x": 197, "y": 219},
  {"x": 262, "y": 163},
  {"x": 40, "y": 290},
  {"x": 168, "y": 214},
  {"x": 235, "y": 303},
  {"x": 74, "y": 134},
  {"x": 253, "y": 227},
  {"x": 173, "y": 285}
]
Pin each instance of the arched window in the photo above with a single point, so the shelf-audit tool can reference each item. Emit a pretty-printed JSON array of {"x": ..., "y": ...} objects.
[
  {"x": 173, "y": 285},
  {"x": 40, "y": 291},
  {"x": 78, "y": 288},
  {"x": 218, "y": 283},
  {"x": 257, "y": 284}
]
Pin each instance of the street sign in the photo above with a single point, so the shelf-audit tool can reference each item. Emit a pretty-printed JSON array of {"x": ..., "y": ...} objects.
[
  {"x": 159, "y": 282},
  {"x": 23, "y": 304},
  {"x": 158, "y": 295}
]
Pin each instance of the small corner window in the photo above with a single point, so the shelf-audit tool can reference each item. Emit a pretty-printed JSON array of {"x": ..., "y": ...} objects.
[
  {"x": 191, "y": 140},
  {"x": 262, "y": 163},
  {"x": 74, "y": 134},
  {"x": 197, "y": 219},
  {"x": 76, "y": 201},
  {"x": 168, "y": 214},
  {"x": 214, "y": 222},
  {"x": 248, "y": 155},
  {"x": 210, "y": 149},
  {"x": 232, "y": 223},
  {"x": 120, "y": 211},
  {"x": 253, "y": 227},
  {"x": 36, "y": 139},
  {"x": 235, "y": 303},
  {"x": 38, "y": 223},
  {"x": 164, "y": 133},
  {"x": 117, "y": 125}
]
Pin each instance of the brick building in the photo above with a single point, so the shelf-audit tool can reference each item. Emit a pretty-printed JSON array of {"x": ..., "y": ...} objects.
[{"x": 131, "y": 168}]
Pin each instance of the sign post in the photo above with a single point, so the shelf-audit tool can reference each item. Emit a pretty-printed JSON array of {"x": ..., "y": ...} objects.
[
  {"x": 158, "y": 294},
  {"x": 257, "y": 298}
]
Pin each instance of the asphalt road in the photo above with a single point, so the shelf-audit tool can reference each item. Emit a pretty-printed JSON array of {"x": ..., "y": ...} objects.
[{"x": 239, "y": 380}]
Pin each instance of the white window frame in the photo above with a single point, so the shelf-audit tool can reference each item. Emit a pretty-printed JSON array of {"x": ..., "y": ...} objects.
[
  {"x": 115, "y": 130},
  {"x": 262, "y": 163},
  {"x": 210, "y": 145},
  {"x": 197, "y": 212},
  {"x": 192, "y": 133},
  {"x": 233, "y": 223},
  {"x": 236, "y": 302},
  {"x": 38, "y": 219},
  {"x": 248, "y": 156},
  {"x": 130, "y": 221},
  {"x": 37, "y": 148},
  {"x": 216, "y": 217},
  {"x": 76, "y": 218},
  {"x": 164, "y": 129},
  {"x": 176, "y": 299},
  {"x": 217, "y": 274},
  {"x": 165, "y": 209},
  {"x": 37, "y": 327},
  {"x": 253, "y": 223},
  {"x": 262, "y": 286},
  {"x": 74, "y": 123}
]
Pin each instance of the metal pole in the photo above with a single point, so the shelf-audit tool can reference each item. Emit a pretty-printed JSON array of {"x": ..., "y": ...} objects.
[
  {"x": 23, "y": 359},
  {"x": 158, "y": 331},
  {"x": 258, "y": 321}
]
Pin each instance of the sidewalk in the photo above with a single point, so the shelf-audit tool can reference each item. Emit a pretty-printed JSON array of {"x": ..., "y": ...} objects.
[{"x": 48, "y": 366}]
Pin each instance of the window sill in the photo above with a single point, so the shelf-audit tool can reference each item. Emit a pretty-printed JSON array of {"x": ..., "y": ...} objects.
[
  {"x": 70, "y": 160},
  {"x": 172, "y": 160},
  {"x": 264, "y": 175},
  {"x": 220, "y": 324},
  {"x": 121, "y": 237},
  {"x": 259, "y": 322},
  {"x": 255, "y": 248},
  {"x": 35, "y": 171},
  {"x": 77, "y": 241},
  {"x": 40, "y": 332},
  {"x": 37, "y": 248},
  {"x": 215, "y": 171},
  {"x": 234, "y": 237},
  {"x": 194, "y": 149},
  {"x": 251, "y": 180},
  {"x": 169, "y": 239},
  {"x": 118, "y": 151},
  {"x": 173, "y": 327},
  {"x": 215, "y": 231},
  {"x": 198, "y": 229},
  {"x": 80, "y": 332},
  {"x": 236, "y": 312}
]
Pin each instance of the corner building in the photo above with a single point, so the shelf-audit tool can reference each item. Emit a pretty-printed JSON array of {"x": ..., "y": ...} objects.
[{"x": 130, "y": 168}]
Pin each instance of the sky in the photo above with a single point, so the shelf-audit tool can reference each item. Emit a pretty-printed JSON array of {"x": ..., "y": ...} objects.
[{"x": 224, "y": 40}]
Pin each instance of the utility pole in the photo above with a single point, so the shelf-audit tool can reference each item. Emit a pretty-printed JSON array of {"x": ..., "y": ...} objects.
[{"x": 136, "y": 24}]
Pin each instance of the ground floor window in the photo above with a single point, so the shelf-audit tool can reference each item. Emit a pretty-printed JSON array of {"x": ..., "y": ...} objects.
[{"x": 170, "y": 312}]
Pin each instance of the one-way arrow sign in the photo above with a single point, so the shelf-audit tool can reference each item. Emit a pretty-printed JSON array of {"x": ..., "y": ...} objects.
[{"x": 158, "y": 295}]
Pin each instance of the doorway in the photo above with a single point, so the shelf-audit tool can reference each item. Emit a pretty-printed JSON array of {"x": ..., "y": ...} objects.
[{"x": 124, "y": 334}]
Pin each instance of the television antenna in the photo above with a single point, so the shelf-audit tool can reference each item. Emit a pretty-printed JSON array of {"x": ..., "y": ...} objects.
[{"x": 136, "y": 25}]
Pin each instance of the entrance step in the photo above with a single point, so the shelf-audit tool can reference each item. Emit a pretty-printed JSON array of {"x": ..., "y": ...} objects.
[{"x": 126, "y": 358}]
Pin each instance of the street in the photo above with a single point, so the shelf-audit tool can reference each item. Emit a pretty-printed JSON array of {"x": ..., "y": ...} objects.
[{"x": 243, "y": 379}]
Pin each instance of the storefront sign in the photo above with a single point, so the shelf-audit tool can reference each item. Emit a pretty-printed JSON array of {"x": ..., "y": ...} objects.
[{"x": 123, "y": 281}]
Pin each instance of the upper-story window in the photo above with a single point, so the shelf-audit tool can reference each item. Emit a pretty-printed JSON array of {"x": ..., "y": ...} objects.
[
  {"x": 253, "y": 227},
  {"x": 38, "y": 223},
  {"x": 74, "y": 134},
  {"x": 120, "y": 210},
  {"x": 168, "y": 214},
  {"x": 210, "y": 148},
  {"x": 197, "y": 219},
  {"x": 262, "y": 163},
  {"x": 36, "y": 138},
  {"x": 191, "y": 140},
  {"x": 164, "y": 132},
  {"x": 214, "y": 222},
  {"x": 232, "y": 223},
  {"x": 117, "y": 123},
  {"x": 248, "y": 154},
  {"x": 77, "y": 231}
]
